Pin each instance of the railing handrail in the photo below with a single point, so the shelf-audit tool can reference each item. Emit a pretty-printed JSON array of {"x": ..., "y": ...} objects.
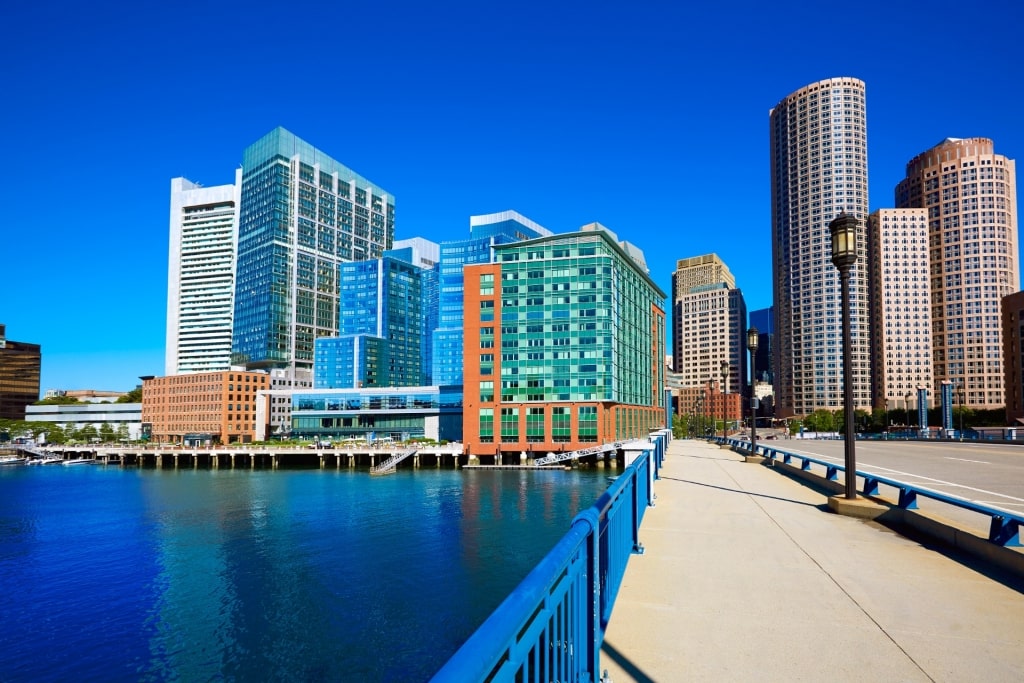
[
  {"x": 593, "y": 551},
  {"x": 391, "y": 463},
  {"x": 551, "y": 458},
  {"x": 1005, "y": 524}
]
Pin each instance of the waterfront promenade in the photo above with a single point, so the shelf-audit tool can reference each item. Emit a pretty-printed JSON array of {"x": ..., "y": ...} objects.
[{"x": 748, "y": 577}]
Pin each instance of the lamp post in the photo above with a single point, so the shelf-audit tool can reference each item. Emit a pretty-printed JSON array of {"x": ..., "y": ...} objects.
[
  {"x": 725, "y": 391},
  {"x": 960, "y": 393},
  {"x": 844, "y": 255},
  {"x": 887, "y": 417},
  {"x": 700, "y": 417},
  {"x": 752, "y": 346},
  {"x": 906, "y": 405}
]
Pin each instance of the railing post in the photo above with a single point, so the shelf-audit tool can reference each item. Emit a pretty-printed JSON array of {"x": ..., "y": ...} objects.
[{"x": 595, "y": 634}]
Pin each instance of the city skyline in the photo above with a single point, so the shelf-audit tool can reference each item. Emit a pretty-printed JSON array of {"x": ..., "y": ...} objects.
[{"x": 568, "y": 114}]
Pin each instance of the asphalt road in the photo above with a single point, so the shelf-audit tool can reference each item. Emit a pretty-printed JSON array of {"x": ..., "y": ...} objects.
[{"x": 990, "y": 474}]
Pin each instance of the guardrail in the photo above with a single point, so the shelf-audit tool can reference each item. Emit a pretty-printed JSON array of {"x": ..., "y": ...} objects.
[
  {"x": 1004, "y": 527},
  {"x": 551, "y": 627}
]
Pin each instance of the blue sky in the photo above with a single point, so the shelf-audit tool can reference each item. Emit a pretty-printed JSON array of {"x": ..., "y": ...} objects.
[{"x": 649, "y": 117}]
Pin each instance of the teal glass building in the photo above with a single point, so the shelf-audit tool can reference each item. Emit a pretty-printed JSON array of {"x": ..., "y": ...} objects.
[
  {"x": 486, "y": 232},
  {"x": 302, "y": 214},
  {"x": 565, "y": 346}
]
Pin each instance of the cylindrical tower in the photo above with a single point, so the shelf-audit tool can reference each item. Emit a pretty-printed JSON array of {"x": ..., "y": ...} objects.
[
  {"x": 819, "y": 168},
  {"x": 970, "y": 194}
]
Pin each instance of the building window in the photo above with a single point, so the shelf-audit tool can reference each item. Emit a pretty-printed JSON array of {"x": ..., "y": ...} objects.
[
  {"x": 587, "y": 424},
  {"x": 561, "y": 429},
  {"x": 510, "y": 424},
  {"x": 487, "y": 425},
  {"x": 535, "y": 425}
]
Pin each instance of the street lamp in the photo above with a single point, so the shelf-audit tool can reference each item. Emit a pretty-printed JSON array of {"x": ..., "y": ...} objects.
[
  {"x": 960, "y": 393},
  {"x": 725, "y": 390},
  {"x": 844, "y": 255},
  {"x": 701, "y": 433},
  {"x": 906, "y": 404},
  {"x": 886, "y": 417},
  {"x": 752, "y": 346}
]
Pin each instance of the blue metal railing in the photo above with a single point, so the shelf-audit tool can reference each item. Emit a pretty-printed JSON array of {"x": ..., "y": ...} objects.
[
  {"x": 551, "y": 627},
  {"x": 1004, "y": 526}
]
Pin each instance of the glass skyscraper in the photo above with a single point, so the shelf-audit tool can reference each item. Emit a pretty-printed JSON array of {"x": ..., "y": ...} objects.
[
  {"x": 302, "y": 215},
  {"x": 20, "y": 365},
  {"x": 486, "y": 232},
  {"x": 383, "y": 299}
]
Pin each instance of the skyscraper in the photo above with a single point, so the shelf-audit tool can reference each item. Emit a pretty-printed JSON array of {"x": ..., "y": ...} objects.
[
  {"x": 20, "y": 364},
  {"x": 383, "y": 299},
  {"x": 485, "y": 233},
  {"x": 708, "y": 323},
  {"x": 900, "y": 306},
  {"x": 302, "y": 214},
  {"x": 819, "y": 169},
  {"x": 427, "y": 256},
  {"x": 201, "y": 276},
  {"x": 970, "y": 193}
]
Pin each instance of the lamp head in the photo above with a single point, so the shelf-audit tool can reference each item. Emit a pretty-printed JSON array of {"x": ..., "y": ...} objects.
[
  {"x": 752, "y": 338},
  {"x": 844, "y": 240}
]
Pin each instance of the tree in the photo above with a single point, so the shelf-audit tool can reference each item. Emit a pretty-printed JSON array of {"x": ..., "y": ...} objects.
[
  {"x": 106, "y": 432},
  {"x": 58, "y": 401},
  {"x": 133, "y": 396},
  {"x": 55, "y": 434},
  {"x": 87, "y": 433},
  {"x": 820, "y": 420},
  {"x": 122, "y": 432}
]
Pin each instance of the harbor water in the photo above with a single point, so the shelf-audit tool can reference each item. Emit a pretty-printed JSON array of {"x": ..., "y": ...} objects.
[{"x": 112, "y": 574}]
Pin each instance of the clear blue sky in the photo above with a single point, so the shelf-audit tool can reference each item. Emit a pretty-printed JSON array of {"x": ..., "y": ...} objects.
[{"x": 651, "y": 118}]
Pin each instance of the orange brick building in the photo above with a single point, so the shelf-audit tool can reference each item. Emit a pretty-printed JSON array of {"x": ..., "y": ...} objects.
[
  {"x": 564, "y": 346},
  {"x": 213, "y": 407}
]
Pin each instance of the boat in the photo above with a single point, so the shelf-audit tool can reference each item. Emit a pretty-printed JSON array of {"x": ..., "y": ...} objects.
[
  {"x": 11, "y": 460},
  {"x": 79, "y": 461},
  {"x": 46, "y": 460}
]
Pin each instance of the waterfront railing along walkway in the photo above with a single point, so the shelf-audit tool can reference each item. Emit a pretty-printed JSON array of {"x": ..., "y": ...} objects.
[{"x": 748, "y": 577}]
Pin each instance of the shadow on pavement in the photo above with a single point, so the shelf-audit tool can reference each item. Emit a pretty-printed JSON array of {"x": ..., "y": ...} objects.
[
  {"x": 745, "y": 492},
  {"x": 627, "y": 666}
]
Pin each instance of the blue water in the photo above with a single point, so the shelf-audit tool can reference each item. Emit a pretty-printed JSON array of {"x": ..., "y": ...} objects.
[{"x": 113, "y": 574}]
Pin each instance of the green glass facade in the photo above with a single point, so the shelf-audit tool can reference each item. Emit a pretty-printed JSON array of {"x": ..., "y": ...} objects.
[
  {"x": 576, "y": 323},
  {"x": 565, "y": 345},
  {"x": 301, "y": 215}
]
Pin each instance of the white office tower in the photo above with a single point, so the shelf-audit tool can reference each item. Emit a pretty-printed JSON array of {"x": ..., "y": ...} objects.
[{"x": 201, "y": 276}]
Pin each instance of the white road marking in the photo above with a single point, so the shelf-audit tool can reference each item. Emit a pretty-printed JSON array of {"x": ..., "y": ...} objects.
[{"x": 980, "y": 462}]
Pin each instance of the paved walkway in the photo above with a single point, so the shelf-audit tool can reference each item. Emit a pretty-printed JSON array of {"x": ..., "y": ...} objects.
[{"x": 748, "y": 577}]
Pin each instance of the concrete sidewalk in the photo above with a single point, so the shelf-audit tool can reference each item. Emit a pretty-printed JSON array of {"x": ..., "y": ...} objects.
[{"x": 748, "y": 577}]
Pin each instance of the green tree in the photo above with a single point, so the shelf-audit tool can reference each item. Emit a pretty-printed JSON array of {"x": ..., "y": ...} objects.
[
  {"x": 122, "y": 432},
  {"x": 820, "y": 421},
  {"x": 87, "y": 433},
  {"x": 106, "y": 432},
  {"x": 133, "y": 396},
  {"x": 55, "y": 434},
  {"x": 58, "y": 401}
]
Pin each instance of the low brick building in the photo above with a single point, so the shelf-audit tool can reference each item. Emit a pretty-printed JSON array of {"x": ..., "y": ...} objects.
[{"x": 202, "y": 408}]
